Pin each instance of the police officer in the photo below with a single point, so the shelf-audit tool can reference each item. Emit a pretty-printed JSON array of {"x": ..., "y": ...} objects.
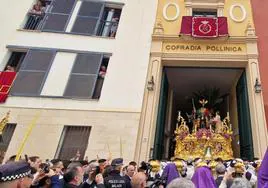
[
  {"x": 114, "y": 179},
  {"x": 15, "y": 174}
]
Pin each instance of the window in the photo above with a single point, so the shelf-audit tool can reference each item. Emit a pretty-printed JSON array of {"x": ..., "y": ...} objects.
[
  {"x": 6, "y": 138},
  {"x": 204, "y": 13},
  {"x": 97, "y": 18},
  {"x": 56, "y": 19},
  {"x": 73, "y": 139},
  {"x": 32, "y": 72},
  {"x": 93, "y": 18},
  {"x": 85, "y": 74},
  {"x": 15, "y": 60}
]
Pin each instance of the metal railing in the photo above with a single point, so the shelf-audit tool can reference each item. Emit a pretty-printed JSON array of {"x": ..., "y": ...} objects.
[{"x": 34, "y": 21}]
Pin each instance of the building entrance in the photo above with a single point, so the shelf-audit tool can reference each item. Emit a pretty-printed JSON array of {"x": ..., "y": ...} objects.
[{"x": 182, "y": 89}]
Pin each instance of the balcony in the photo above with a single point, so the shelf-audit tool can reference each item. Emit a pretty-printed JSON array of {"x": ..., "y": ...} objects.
[{"x": 36, "y": 15}]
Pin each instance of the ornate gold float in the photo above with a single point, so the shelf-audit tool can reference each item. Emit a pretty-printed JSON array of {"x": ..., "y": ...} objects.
[{"x": 209, "y": 139}]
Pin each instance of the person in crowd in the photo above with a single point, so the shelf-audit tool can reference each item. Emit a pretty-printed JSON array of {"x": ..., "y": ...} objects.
[
  {"x": 220, "y": 171},
  {"x": 133, "y": 163},
  {"x": 114, "y": 179},
  {"x": 74, "y": 176},
  {"x": 57, "y": 167},
  {"x": 130, "y": 172},
  {"x": 203, "y": 178},
  {"x": 263, "y": 172},
  {"x": 107, "y": 171},
  {"x": 95, "y": 178},
  {"x": 240, "y": 183},
  {"x": 139, "y": 180},
  {"x": 35, "y": 163},
  {"x": 15, "y": 175},
  {"x": 170, "y": 172},
  {"x": 181, "y": 183},
  {"x": 102, "y": 164}
]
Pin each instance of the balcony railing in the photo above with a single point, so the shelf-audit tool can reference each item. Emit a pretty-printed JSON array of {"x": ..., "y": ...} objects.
[{"x": 34, "y": 21}]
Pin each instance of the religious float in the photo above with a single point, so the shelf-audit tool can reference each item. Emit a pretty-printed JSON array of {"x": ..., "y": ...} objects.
[{"x": 209, "y": 138}]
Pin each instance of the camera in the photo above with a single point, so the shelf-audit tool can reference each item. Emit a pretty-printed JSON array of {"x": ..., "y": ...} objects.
[{"x": 46, "y": 168}]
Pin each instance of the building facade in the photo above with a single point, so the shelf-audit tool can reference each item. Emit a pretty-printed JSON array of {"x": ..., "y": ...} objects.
[
  {"x": 200, "y": 46},
  {"x": 260, "y": 12},
  {"x": 77, "y": 64}
]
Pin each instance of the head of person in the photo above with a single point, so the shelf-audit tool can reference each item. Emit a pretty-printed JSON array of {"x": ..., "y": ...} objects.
[
  {"x": 57, "y": 165},
  {"x": 74, "y": 174},
  {"x": 170, "y": 172},
  {"x": 11, "y": 159},
  {"x": 117, "y": 164},
  {"x": 203, "y": 177},
  {"x": 102, "y": 164},
  {"x": 133, "y": 163},
  {"x": 15, "y": 175},
  {"x": 240, "y": 183},
  {"x": 107, "y": 171},
  {"x": 220, "y": 169},
  {"x": 181, "y": 183},
  {"x": 103, "y": 68},
  {"x": 35, "y": 162},
  {"x": 130, "y": 170},
  {"x": 139, "y": 180},
  {"x": 92, "y": 170},
  {"x": 10, "y": 68}
]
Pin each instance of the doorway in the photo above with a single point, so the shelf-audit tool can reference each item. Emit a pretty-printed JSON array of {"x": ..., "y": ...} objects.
[{"x": 226, "y": 92}]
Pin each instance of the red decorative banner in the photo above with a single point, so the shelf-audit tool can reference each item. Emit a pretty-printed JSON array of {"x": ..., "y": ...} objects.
[
  {"x": 6, "y": 81},
  {"x": 187, "y": 26},
  {"x": 205, "y": 27}
]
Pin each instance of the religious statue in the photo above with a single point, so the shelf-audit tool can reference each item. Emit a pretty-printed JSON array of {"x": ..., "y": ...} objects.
[{"x": 210, "y": 137}]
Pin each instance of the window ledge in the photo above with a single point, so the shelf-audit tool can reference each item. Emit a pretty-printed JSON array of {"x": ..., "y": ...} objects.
[
  {"x": 55, "y": 97},
  {"x": 66, "y": 33}
]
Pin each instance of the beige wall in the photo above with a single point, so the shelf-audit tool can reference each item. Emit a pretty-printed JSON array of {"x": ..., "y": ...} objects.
[
  {"x": 130, "y": 53},
  {"x": 107, "y": 129}
]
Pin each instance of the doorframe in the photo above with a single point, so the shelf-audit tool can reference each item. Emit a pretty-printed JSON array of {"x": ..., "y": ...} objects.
[{"x": 145, "y": 141}]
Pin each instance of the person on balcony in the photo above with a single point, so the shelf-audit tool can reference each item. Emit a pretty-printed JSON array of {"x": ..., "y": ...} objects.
[
  {"x": 35, "y": 16},
  {"x": 114, "y": 27},
  {"x": 10, "y": 69},
  {"x": 37, "y": 8}
]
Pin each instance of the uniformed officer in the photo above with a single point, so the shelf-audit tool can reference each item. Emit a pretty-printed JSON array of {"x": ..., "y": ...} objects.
[
  {"x": 15, "y": 174},
  {"x": 114, "y": 179}
]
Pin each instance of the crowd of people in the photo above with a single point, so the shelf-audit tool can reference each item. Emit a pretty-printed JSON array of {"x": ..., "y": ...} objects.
[{"x": 105, "y": 173}]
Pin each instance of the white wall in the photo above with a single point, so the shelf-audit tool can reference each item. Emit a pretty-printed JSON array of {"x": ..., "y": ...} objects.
[{"x": 125, "y": 80}]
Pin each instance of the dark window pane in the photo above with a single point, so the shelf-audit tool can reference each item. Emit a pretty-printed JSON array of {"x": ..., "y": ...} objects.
[
  {"x": 75, "y": 139},
  {"x": 92, "y": 9},
  {"x": 80, "y": 86},
  {"x": 28, "y": 83},
  {"x": 55, "y": 22},
  {"x": 85, "y": 25},
  {"x": 62, "y": 6},
  {"x": 87, "y": 63},
  {"x": 37, "y": 60}
]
